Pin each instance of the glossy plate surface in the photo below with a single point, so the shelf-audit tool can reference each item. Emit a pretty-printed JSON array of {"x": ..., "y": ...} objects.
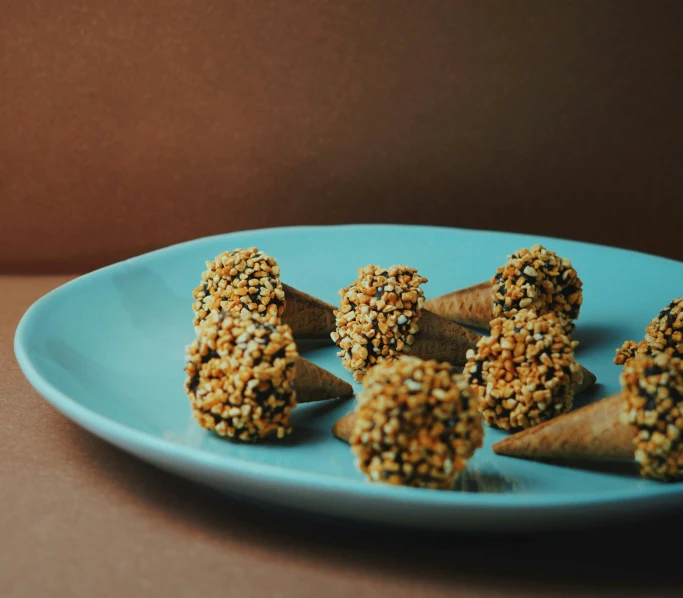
[{"x": 107, "y": 350}]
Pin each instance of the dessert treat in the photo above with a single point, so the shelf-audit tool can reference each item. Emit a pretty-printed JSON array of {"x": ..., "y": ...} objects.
[
  {"x": 416, "y": 424},
  {"x": 248, "y": 280},
  {"x": 533, "y": 278},
  {"x": 244, "y": 376},
  {"x": 343, "y": 427},
  {"x": 381, "y": 317},
  {"x": 643, "y": 423},
  {"x": 525, "y": 372},
  {"x": 663, "y": 335}
]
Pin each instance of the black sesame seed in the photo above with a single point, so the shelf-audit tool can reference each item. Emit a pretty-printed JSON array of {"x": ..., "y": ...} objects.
[
  {"x": 194, "y": 382},
  {"x": 211, "y": 354},
  {"x": 278, "y": 354}
]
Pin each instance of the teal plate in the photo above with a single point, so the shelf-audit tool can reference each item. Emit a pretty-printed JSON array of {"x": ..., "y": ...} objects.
[{"x": 107, "y": 350}]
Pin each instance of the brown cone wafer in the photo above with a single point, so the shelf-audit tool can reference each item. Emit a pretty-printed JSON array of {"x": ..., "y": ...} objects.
[
  {"x": 307, "y": 316},
  {"x": 381, "y": 317},
  {"x": 442, "y": 340},
  {"x": 343, "y": 427},
  {"x": 313, "y": 383},
  {"x": 596, "y": 431},
  {"x": 472, "y": 306}
]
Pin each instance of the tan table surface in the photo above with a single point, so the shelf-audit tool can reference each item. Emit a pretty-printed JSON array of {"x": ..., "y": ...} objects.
[{"x": 81, "y": 518}]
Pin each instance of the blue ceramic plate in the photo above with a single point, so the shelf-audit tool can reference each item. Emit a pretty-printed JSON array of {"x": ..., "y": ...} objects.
[{"x": 107, "y": 350}]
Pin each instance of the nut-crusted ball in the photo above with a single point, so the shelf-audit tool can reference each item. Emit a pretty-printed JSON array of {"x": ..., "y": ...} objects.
[
  {"x": 378, "y": 316},
  {"x": 416, "y": 424},
  {"x": 664, "y": 334},
  {"x": 524, "y": 372},
  {"x": 240, "y": 372},
  {"x": 537, "y": 279},
  {"x": 653, "y": 388},
  {"x": 237, "y": 281}
]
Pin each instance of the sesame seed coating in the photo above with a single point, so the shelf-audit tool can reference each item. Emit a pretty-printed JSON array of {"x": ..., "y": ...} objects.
[
  {"x": 240, "y": 371},
  {"x": 653, "y": 388},
  {"x": 524, "y": 372},
  {"x": 237, "y": 281},
  {"x": 416, "y": 424},
  {"x": 663, "y": 334},
  {"x": 538, "y": 279},
  {"x": 378, "y": 316}
]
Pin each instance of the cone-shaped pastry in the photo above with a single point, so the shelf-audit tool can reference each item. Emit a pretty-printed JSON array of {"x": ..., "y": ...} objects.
[
  {"x": 644, "y": 421},
  {"x": 343, "y": 427},
  {"x": 441, "y": 339},
  {"x": 533, "y": 278},
  {"x": 525, "y": 372},
  {"x": 307, "y": 316},
  {"x": 245, "y": 377},
  {"x": 313, "y": 383},
  {"x": 594, "y": 431},
  {"x": 416, "y": 424},
  {"x": 249, "y": 280},
  {"x": 663, "y": 335},
  {"x": 381, "y": 317},
  {"x": 472, "y": 306}
]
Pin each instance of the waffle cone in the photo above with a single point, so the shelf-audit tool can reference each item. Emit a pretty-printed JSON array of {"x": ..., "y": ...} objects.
[
  {"x": 343, "y": 427},
  {"x": 307, "y": 316},
  {"x": 472, "y": 306},
  {"x": 443, "y": 340},
  {"x": 313, "y": 383},
  {"x": 595, "y": 431}
]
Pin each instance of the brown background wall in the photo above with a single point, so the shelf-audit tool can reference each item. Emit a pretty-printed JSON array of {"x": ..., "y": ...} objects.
[{"x": 128, "y": 125}]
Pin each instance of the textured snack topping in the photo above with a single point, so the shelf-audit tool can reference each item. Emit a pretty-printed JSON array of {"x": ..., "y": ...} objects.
[
  {"x": 240, "y": 372},
  {"x": 537, "y": 279},
  {"x": 653, "y": 388},
  {"x": 241, "y": 280},
  {"x": 664, "y": 334},
  {"x": 416, "y": 424},
  {"x": 524, "y": 372},
  {"x": 378, "y": 316}
]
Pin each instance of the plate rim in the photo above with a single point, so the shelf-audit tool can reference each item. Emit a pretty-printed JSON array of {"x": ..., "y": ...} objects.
[{"x": 125, "y": 436}]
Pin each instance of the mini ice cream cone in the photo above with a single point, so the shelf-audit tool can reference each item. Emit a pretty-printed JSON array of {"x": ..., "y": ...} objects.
[
  {"x": 525, "y": 372},
  {"x": 442, "y": 340},
  {"x": 533, "y": 278},
  {"x": 244, "y": 376},
  {"x": 381, "y": 317},
  {"x": 643, "y": 422},
  {"x": 249, "y": 281},
  {"x": 416, "y": 424},
  {"x": 472, "y": 306},
  {"x": 313, "y": 383},
  {"x": 595, "y": 431}
]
